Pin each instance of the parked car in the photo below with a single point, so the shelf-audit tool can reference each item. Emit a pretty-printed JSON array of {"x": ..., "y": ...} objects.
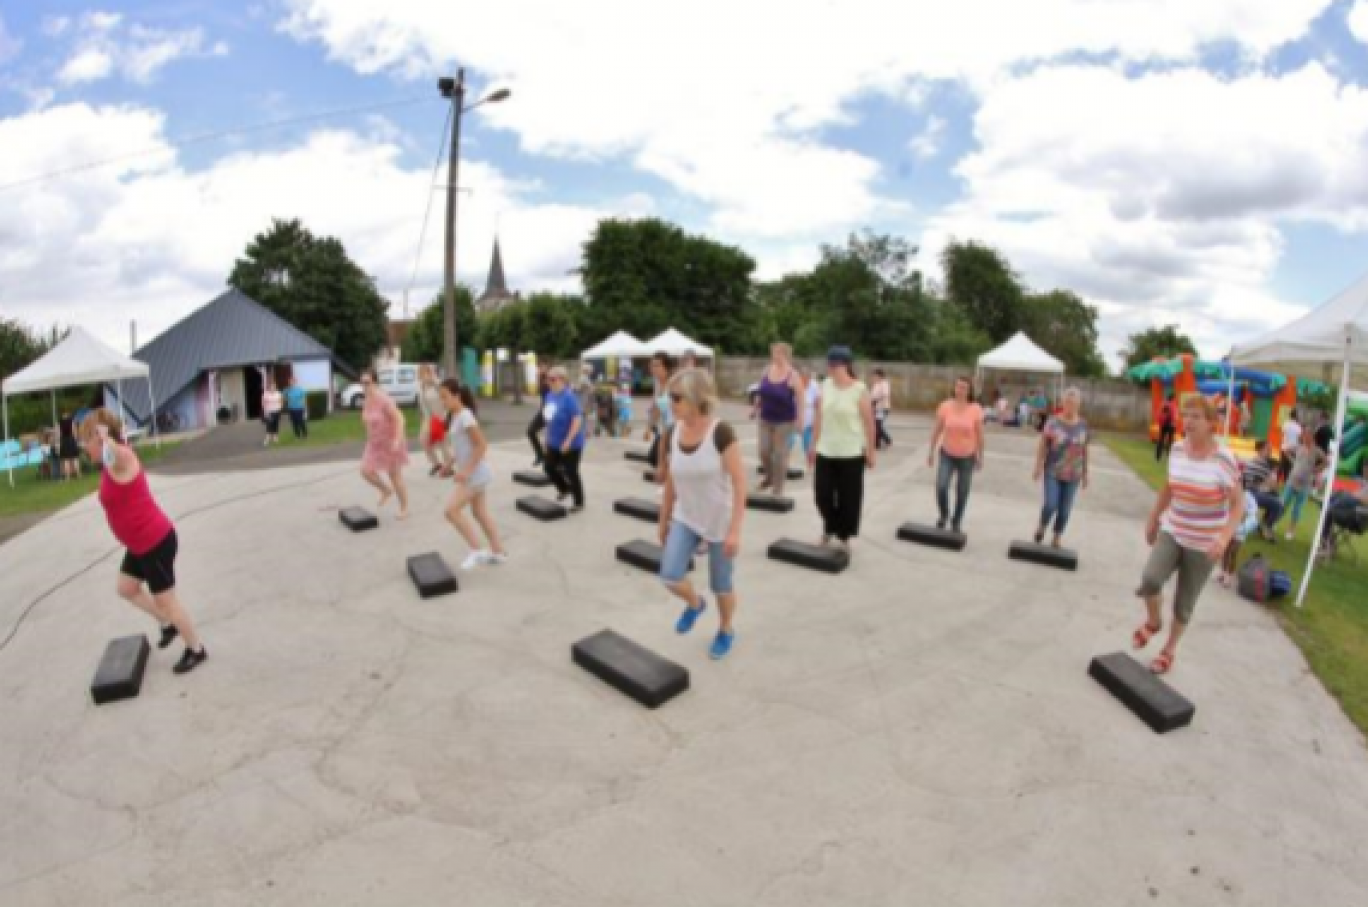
[{"x": 399, "y": 381}]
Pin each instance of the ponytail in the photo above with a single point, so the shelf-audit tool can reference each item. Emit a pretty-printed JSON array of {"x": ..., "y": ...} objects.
[{"x": 457, "y": 389}]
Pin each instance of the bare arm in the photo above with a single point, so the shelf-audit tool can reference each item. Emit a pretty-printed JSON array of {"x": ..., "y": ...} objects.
[
  {"x": 1041, "y": 450},
  {"x": 978, "y": 441},
  {"x": 736, "y": 471},
  {"x": 816, "y": 430},
  {"x": 936, "y": 432},
  {"x": 867, "y": 417}
]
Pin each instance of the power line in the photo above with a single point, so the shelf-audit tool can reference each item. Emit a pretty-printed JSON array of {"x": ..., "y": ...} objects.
[
  {"x": 205, "y": 137},
  {"x": 427, "y": 211}
]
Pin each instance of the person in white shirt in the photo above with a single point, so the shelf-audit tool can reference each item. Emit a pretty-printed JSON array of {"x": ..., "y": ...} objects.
[{"x": 1291, "y": 438}]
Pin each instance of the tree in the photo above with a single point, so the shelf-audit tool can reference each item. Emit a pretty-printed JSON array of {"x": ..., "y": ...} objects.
[
  {"x": 423, "y": 343},
  {"x": 549, "y": 325},
  {"x": 979, "y": 280},
  {"x": 1066, "y": 327},
  {"x": 1156, "y": 343},
  {"x": 22, "y": 345},
  {"x": 314, "y": 285}
]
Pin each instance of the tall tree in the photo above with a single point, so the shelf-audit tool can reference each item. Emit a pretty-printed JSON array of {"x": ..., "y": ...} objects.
[
  {"x": 423, "y": 343},
  {"x": 1156, "y": 343},
  {"x": 550, "y": 325},
  {"x": 21, "y": 344},
  {"x": 1066, "y": 327},
  {"x": 980, "y": 281},
  {"x": 313, "y": 284}
]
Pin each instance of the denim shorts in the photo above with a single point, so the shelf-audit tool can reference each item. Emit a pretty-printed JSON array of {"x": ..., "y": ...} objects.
[{"x": 680, "y": 546}]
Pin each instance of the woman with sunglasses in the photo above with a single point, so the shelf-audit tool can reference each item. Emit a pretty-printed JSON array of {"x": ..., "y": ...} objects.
[
  {"x": 843, "y": 448},
  {"x": 386, "y": 447},
  {"x": 564, "y": 439},
  {"x": 703, "y": 506}
]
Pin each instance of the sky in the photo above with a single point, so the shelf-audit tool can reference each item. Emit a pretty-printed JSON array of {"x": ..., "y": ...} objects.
[{"x": 1196, "y": 162}]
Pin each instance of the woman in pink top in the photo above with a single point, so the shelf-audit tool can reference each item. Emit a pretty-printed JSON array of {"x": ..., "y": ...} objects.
[
  {"x": 386, "y": 446},
  {"x": 958, "y": 436},
  {"x": 144, "y": 530}
]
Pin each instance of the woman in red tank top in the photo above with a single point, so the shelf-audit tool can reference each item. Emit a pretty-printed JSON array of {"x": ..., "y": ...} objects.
[{"x": 145, "y": 531}]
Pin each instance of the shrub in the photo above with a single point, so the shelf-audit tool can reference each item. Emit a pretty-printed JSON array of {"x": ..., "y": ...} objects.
[{"x": 316, "y": 405}]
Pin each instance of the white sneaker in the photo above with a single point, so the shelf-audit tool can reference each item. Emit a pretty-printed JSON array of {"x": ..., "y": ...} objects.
[
  {"x": 1288, "y": 536},
  {"x": 494, "y": 560},
  {"x": 473, "y": 560}
]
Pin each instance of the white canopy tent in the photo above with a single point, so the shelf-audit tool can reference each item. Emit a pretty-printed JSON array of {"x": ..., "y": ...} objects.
[
  {"x": 677, "y": 344},
  {"x": 1020, "y": 354},
  {"x": 621, "y": 344},
  {"x": 77, "y": 360},
  {"x": 1334, "y": 335}
]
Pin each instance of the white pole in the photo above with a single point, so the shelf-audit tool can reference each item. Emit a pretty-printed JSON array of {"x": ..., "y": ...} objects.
[
  {"x": 1230, "y": 394},
  {"x": 54, "y": 407},
  {"x": 1329, "y": 470},
  {"x": 4, "y": 402}
]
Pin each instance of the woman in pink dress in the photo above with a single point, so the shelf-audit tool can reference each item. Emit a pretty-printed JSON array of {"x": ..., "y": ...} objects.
[{"x": 386, "y": 447}]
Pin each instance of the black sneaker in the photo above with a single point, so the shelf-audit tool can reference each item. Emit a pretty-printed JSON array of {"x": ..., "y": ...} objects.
[
  {"x": 168, "y": 635},
  {"x": 191, "y": 660},
  {"x": 576, "y": 508}
]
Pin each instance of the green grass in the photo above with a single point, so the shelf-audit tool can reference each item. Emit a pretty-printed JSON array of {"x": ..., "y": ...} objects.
[
  {"x": 33, "y": 495},
  {"x": 340, "y": 427},
  {"x": 1332, "y": 628}
]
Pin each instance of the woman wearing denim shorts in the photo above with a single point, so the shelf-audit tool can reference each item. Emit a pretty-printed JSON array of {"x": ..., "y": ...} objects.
[
  {"x": 1193, "y": 520},
  {"x": 704, "y": 503}
]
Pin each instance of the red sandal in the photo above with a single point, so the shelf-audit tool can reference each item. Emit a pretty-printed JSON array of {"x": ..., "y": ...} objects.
[
  {"x": 1143, "y": 634},
  {"x": 1162, "y": 664}
]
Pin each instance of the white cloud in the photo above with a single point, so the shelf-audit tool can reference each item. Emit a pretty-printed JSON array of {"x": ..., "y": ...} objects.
[
  {"x": 9, "y": 45},
  {"x": 56, "y": 26},
  {"x": 927, "y": 143},
  {"x": 90, "y": 64},
  {"x": 98, "y": 21},
  {"x": 104, "y": 45},
  {"x": 1358, "y": 20},
  {"x": 149, "y": 239}
]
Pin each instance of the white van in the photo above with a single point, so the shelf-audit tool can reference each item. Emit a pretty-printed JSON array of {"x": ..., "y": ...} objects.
[{"x": 399, "y": 381}]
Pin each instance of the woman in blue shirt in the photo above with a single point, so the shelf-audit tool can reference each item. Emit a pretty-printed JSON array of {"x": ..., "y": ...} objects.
[
  {"x": 295, "y": 400},
  {"x": 564, "y": 439}
]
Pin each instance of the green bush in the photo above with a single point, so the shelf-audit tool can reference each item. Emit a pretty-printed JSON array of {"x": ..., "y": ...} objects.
[
  {"x": 30, "y": 414},
  {"x": 316, "y": 405}
]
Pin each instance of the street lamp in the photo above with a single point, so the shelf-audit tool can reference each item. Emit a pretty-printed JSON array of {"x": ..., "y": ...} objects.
[{"x": 455, "y": 90}]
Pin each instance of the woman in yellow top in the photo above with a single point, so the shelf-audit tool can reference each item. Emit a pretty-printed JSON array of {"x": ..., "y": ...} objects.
[
  {"x": 842, "y": 448},
  {"x": 958, "y": 437}
]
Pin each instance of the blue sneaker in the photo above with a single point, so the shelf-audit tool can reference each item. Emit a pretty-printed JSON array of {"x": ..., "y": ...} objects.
[
  {"x": 722, "y": 644},
  {"x": 690, "y": 616}
]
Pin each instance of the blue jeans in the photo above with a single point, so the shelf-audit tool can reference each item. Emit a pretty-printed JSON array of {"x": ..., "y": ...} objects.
[
  {"x": 1271, "y": 505},
  {"x": 963, "y": 468},
  {"x": 1294, "y": 501},
  {"x": 1059, "y": 501},
  {"x": 680, "y": 546}
]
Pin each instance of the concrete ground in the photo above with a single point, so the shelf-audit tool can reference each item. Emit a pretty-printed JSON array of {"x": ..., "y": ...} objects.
[{"x": 920, "y": 729}]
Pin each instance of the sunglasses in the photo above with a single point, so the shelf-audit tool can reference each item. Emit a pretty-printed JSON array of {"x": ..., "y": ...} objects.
[{"x": 676, "y": 398}]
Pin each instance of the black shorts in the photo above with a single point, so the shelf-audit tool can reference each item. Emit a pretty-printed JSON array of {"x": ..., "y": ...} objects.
[{"x": 157, "y": 567}]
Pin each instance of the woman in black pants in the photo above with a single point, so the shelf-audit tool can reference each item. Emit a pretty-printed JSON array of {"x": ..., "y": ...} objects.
[
  {"x": 538, "y": 423},
  {"x": 842, "y": 449}
]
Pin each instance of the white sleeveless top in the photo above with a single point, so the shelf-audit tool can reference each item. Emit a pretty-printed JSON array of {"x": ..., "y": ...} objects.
[{"x": 703, "y": 489}]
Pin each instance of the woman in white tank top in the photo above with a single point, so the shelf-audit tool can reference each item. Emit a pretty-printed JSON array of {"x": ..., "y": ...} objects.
[{"x": 704, "y": 504}]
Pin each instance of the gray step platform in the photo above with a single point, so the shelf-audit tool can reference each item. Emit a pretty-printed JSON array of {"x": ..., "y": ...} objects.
[
  {"x": 792, "y": 475},
  {"x": 637, "y": 456},
  {"x": 541, "y": 508},
  {"x": 642, "y": 509},
  {"x": 645, "y": 555},
  {"x": 1063, "y": 558},
  {"x": 814, "y": 557},
  {"x": 933, "y": 537},
  {"x": 120, "y": 674},
  {"x": 768, "y": 503},
  {"x": 431, "y": 575},
  {"x": 531, "y": 477},
  {"x": 630, "y": 668},
  {"x": 357, "y": 519},
  {"x": 1153, "y": 701}
]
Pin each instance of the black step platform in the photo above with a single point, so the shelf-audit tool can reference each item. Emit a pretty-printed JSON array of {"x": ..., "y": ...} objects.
[
  {"x": 630, "y": 668},
  {"x": 930, "y": 535},
  {"x": 1153, "y": 701},
  {"x": 541, "y": 508},
  {"x": 637, "y": 456},
  {"x": 768, "y": 503},
  {"x": 649, "y": 511},
  {"x": 431, "y": 575},
  {"x": 645, "y": 555},
  {"x": 120, "y": 674},
  {"x": 1063, "y": 558},
  {"x": 792, "y": 475},
  {"x": 649, "y": 475},
  {"x": 357, "y": 519},
  {"x": 815, "y": 557},
  {"x": 531, "y": 477}
]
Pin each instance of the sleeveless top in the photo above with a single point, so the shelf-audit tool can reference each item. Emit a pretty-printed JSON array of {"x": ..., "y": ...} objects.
[
  {"x": 843, "y": 434},
  {"x": 777, "y": 400},
  {"x": 703, "y": 489},
  {"x": 133, "y": 515}
]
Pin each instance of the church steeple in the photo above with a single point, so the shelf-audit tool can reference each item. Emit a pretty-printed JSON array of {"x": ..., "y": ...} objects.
[{"x": 496, "y": 292}]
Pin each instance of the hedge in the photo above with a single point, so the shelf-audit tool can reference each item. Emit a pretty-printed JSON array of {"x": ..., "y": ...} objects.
[{"x": 316, "y": 405}]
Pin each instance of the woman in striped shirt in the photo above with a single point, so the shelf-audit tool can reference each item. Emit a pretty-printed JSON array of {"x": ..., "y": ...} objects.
[{"x": 1193, "y": 520}]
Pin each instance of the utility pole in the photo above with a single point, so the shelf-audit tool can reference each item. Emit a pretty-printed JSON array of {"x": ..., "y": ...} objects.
[{"x": 455, "y": 90}]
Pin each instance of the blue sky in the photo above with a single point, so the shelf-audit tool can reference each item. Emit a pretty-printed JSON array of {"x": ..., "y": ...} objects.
[{"x": 1204, "y": 163}]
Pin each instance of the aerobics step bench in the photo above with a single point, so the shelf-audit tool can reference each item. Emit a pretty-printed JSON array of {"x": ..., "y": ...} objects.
[
  {"x": 792, "y": 475},
  {"x": 630, "y": 668},
  {"x": 647, "y": 511},
  {"x": 1154, "y": 702},
  {"x": 645, "y": 555},
  {"x": 431, "y": 575},
  {"x": 541, "y": 509},
  {"x": 649, "y": 475},
  {"x": 531, "y": 477},
  {"x": 637, "y": 456},
  {"x": 120, "y": 674},
  {"x": 1063, "y": 558},
  {"x": 932, "y": 537},
  {"x": 768, "y": 503},
  {"x": 357, "y": 519},
  {"x": 814, "y": 557}
]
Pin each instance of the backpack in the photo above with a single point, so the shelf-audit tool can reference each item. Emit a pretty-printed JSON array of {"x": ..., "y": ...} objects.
[{"x": 1254, "y": 580}]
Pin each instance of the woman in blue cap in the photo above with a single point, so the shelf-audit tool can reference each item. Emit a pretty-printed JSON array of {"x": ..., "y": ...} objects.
[{"x": 842, "y": 448}]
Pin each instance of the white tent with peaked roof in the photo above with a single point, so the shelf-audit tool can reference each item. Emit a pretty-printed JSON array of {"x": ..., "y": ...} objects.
[
  {"x": 79, "y": 359},
  {"x": 1021, "y": 354},
  {"x": 1332, "y": 337},
  {"x": 621, "y": 344},
  {"x": 677, "y": 344}
]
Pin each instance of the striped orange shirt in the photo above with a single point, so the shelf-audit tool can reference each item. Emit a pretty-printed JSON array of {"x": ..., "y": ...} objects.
[{"x": 1200, "y": 504}]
